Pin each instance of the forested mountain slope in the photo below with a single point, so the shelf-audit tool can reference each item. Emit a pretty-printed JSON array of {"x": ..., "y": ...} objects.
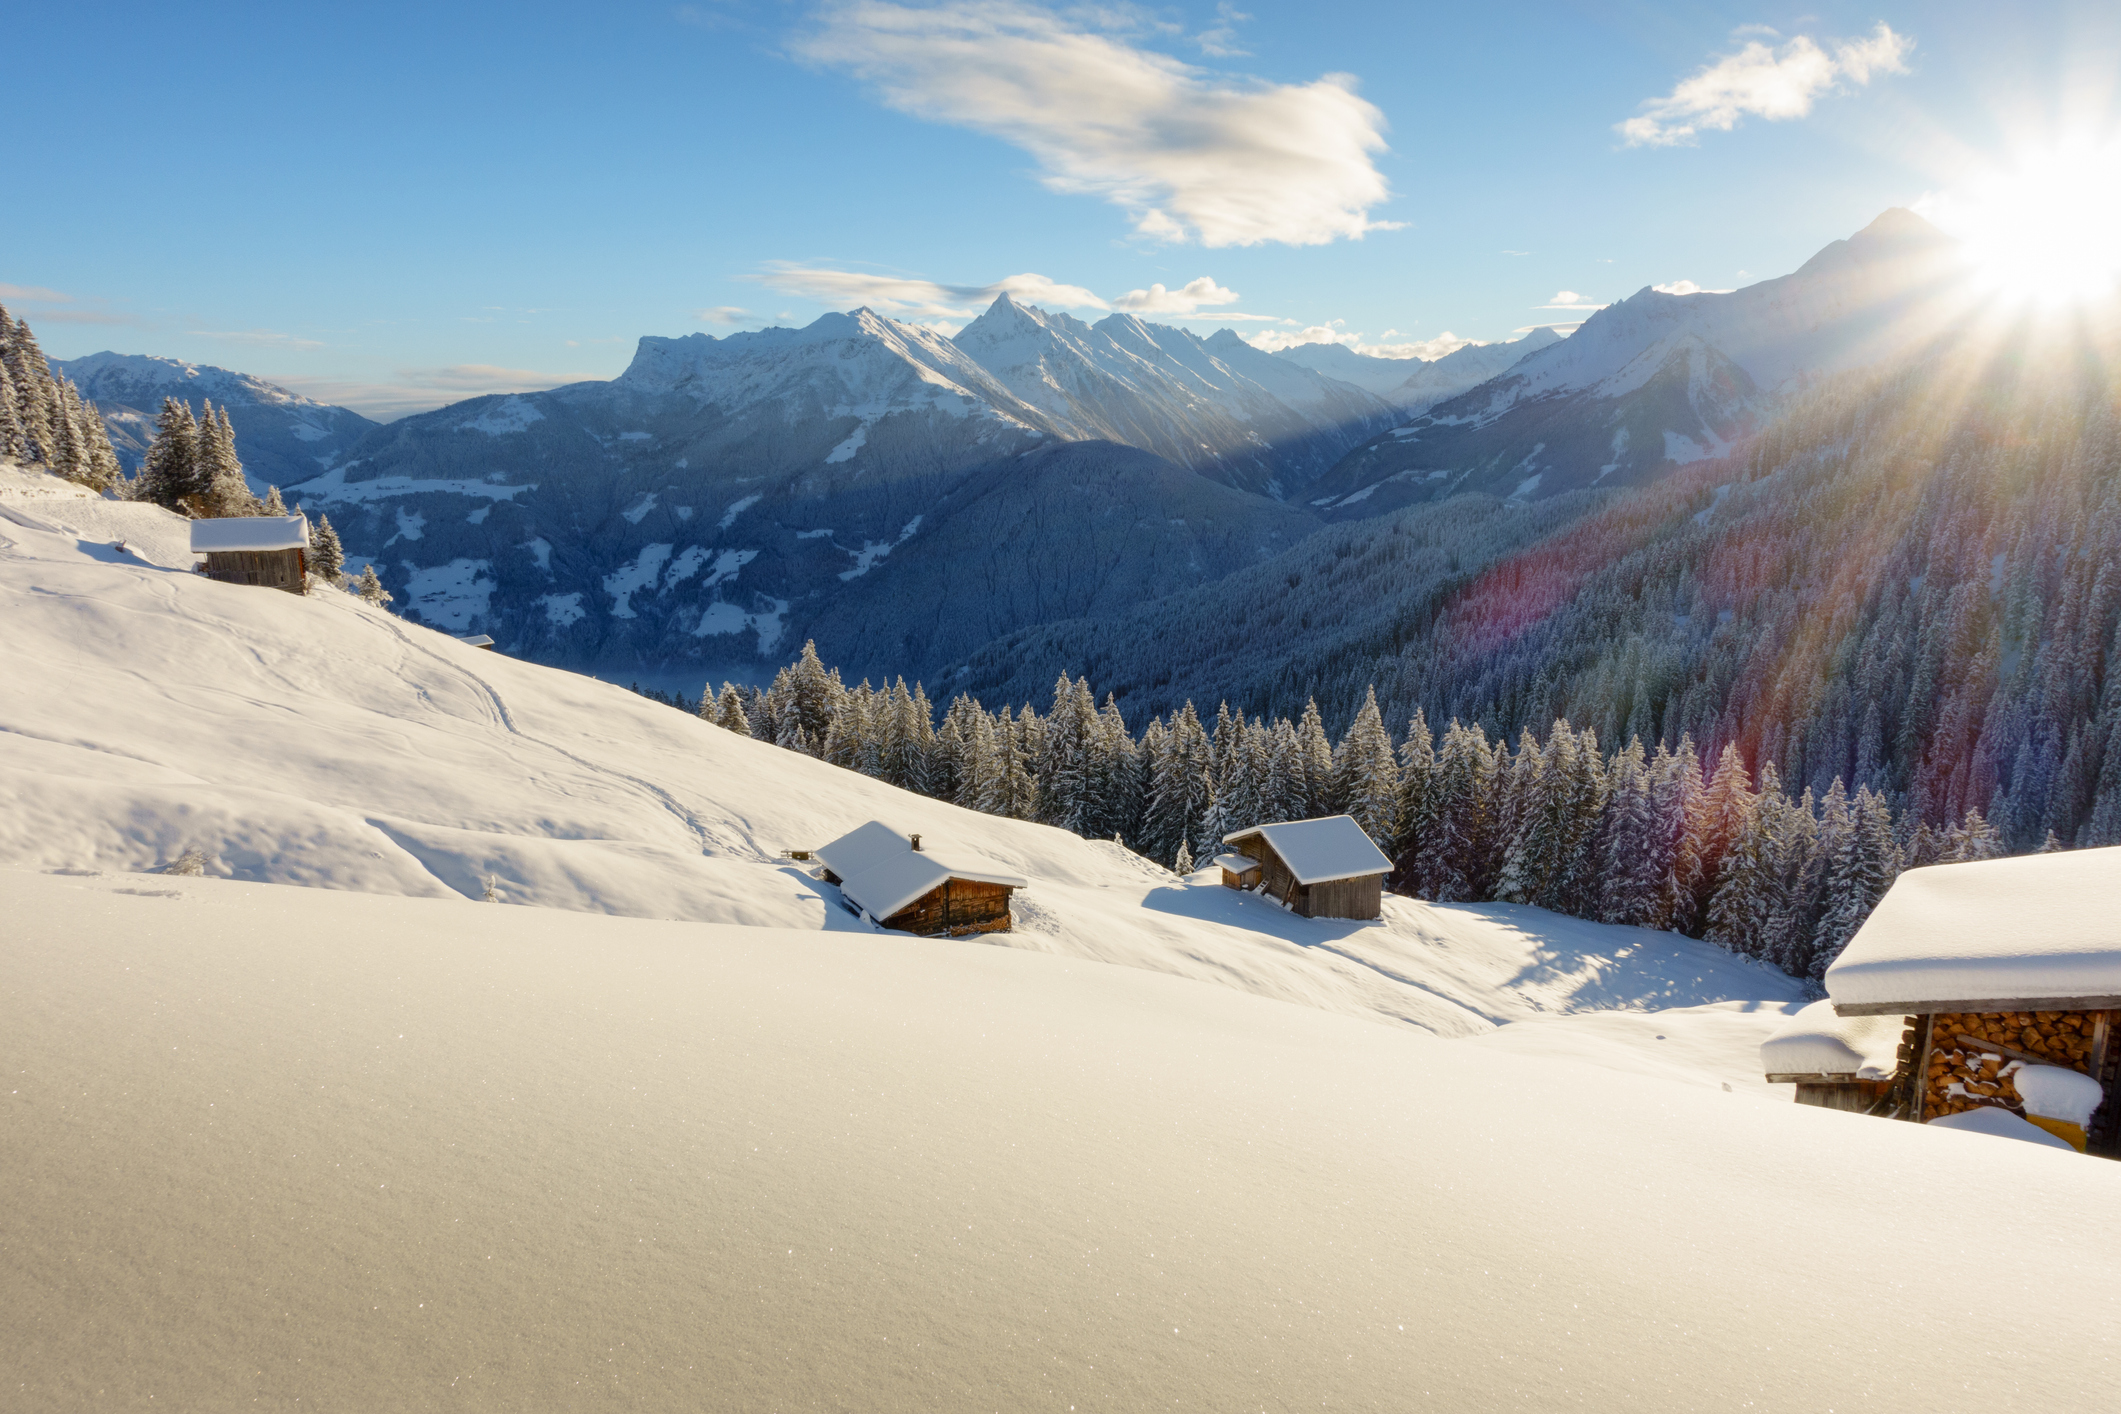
[{"x": 1910, "y": 580}]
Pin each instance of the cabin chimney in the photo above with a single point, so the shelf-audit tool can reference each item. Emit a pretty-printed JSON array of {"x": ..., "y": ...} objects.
[{"x": 916, "y": 844}]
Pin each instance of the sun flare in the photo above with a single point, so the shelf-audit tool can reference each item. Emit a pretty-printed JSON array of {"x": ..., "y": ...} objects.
[{"x": 2047, "y": 229}]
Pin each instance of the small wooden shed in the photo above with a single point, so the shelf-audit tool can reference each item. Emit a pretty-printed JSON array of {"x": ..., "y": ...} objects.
[
  {"x": 271, "y": 552},
  {"x": 1323, "y": 868},
  {"x": 1981, "y": 979},
  {"x": 885, "y": 876}
]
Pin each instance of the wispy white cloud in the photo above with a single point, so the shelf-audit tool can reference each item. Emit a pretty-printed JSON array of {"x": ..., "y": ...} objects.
[
  {"x": 1337, "y": 332},
  {"x": 921, "y": 299},
  {"x": 33, "y": 294},
  {"x": 474, "y": 379},
  {"x": 424, "y": 389},
  {"x": 1686, "y": 287},
  {"x": 1766, "y": 81},
  {"x": 1188, "y": 154},
  {"x": 1219, "y": 40},
  {"x": 41, "y": 300},
  {"x": 258, "y": 338},
  {"x": 1569, "y": 299},
  {"x": 1186, "y": 299},
  {"x": 722, "y": 314}
]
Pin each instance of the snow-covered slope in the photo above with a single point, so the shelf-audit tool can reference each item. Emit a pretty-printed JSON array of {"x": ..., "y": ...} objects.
[
  {"x": 1659, "y": 380},
  {"x": 320, "y": 742},
  {"x": 281, "y": 436},
  {"x": 289, "y": 1147},
  {"x": 1410, "y": 384}
]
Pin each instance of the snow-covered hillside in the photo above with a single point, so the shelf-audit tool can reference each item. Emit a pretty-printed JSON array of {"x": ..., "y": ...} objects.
[
  {"x": 281, "y": 436},
  {"x": 321, "y": 742},
  {"x": 289, "y": 1147}
]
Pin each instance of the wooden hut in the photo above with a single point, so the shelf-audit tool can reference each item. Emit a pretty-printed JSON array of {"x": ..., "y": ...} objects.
[
  {"x": 1324, "y": 868},
  {"x": 269, "y": 551},
  {"x": 885, "y": 876},
  {"x": 1993, "y": 985}
]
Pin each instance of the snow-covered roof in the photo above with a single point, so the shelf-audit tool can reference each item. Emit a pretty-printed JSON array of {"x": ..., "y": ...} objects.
[
  {"x": 2041, "y": 931},
  {"x": 860, "y": 848},
  {"x": 1236, "y": 863},
  {"x": 250, "y": 533},
  {"x": 1817, "y": 1042},
  {"x": 890, "y": 884},
  {"x": 1321, "y": 851},
  {"x": 880, "y": 871}
]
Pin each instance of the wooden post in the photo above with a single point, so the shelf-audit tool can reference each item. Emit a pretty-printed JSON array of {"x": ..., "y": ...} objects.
[{"x": 1919, "y": 1100}]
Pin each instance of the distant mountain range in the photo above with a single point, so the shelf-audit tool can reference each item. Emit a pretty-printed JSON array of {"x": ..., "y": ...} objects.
[
  {"x": 282, "y": 437},
  {"x": 1660, "y": 380},
  {"x": 918, "y": 502},
  {"x": 1414, "y": 385}
]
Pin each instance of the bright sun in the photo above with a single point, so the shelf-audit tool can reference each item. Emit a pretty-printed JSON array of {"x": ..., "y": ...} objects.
[{"x": 2047, "y": 229}]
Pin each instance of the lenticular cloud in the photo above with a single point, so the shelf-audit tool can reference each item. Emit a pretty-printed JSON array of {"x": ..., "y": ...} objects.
[{"x": 1188, "y": 154}]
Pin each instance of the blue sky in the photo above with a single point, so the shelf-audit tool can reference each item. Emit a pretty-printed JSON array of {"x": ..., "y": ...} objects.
[{"x": 395, "y": 206}]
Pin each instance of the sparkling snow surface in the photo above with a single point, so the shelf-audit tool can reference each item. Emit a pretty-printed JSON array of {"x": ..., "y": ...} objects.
[
  {"x": 292, "y": 1147},
  {"x": 2038, "y": 926},
  {"x": 2000, "y": 1123},
  {"x": 1817, "y": 1042}
]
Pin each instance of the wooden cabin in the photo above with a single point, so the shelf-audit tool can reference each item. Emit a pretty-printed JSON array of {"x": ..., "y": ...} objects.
[
  {"x": 1324, "y": 868},
  {"x": 886, "y": 877},
  {"x": 271, "y": 552},
  {"x": 1980, "y": 982}
]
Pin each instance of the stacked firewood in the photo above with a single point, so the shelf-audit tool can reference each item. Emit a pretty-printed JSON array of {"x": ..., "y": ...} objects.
[{"x": 1965, "y": 1076}]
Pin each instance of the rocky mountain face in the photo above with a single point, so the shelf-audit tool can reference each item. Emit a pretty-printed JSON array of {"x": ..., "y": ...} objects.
[
  {"x": 725, "y": 498},
  {"x": 1413, "y": 385},
  {"x": 281, "y": 436},
  {"x": 1658, "y": 380}
]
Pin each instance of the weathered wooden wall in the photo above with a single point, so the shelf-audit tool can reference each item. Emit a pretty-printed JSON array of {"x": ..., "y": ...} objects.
[
  {"x": 956, "y": 906},
  {"x": 1858, "y": 1096},
  {"x": 268, "y": 569},
  {"x": 1361, "y": 897}
]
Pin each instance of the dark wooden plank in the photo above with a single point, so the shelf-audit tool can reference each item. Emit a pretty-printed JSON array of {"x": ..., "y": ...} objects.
[{"x": 1991, "y": 1004}]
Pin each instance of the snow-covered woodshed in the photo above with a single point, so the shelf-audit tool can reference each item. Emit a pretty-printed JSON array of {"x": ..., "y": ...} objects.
[
  {"x": 2006, "y": 977},
  {"x": 1324, "y": 868},
  {"x": 885, "y": 876},
  {"x": 269, "y": 551}
]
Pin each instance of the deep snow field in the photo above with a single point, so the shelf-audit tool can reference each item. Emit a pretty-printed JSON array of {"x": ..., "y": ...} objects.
[{"x": 369, "y": 1144}]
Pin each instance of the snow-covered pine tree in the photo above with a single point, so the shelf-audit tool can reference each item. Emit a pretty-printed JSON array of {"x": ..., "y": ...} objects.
[
  {"x": 1860, "y": 869},
  {"x": 1064, "y": 760},
  {"x": 371, "y": 589},
  {"x": 1585, "y": 786},
  {"x": 1675, "y": 800},
  {"x": 1973, "y": 838},
  {"x": 917, "y": 729},
  {"x": 850, "y": 731},
  {"x": 1416, "y": 815},
  {"x": 14, "y": 441},
  {"x": 1725, "y": 804},
  {"x": 1627, "y": 849},
  {"x": 272, "y": 505},
  {"x": 1743, "y": 904},
  {"x": 1366, "y": 784},
  {"x": 1461, "y": 866},
  {"x": 1794, "y": 839},
  {"x": 1288, "y": 781},
  {"x": 327, "y": 558},
  {"x": 1022, "y": 741},
  {"x": 1314, "y": 756},
  {"x": 979, "y": 779},
  {"x": 729, "y": 711},
  {"x": 1183, "y": 864},
  {"x": 169, "y": 474},
  {"x": 1183, "y": 790},
  {"x": 225, "y": 492}
]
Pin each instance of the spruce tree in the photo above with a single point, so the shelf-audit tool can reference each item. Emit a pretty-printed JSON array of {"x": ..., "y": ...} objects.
[
  {"x": 272, "y": 505},
  {"x": 1315, "y": 765},
  {"x": 1366, "y": 784},
  {"x": 169, "y": 477},
  {"x": 327, "y": 558},
  {"x": 729, "y": 710},
  {"x": 371, "y": 589},
  {"x": 1416, "y": 836}
]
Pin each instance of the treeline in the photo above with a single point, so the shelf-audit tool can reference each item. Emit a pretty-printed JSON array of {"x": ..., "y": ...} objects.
[
  {"x": 44, "y": 420},
  {"x": 1642, "y": 835},
  {"x": 1911, "y": 581}
]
